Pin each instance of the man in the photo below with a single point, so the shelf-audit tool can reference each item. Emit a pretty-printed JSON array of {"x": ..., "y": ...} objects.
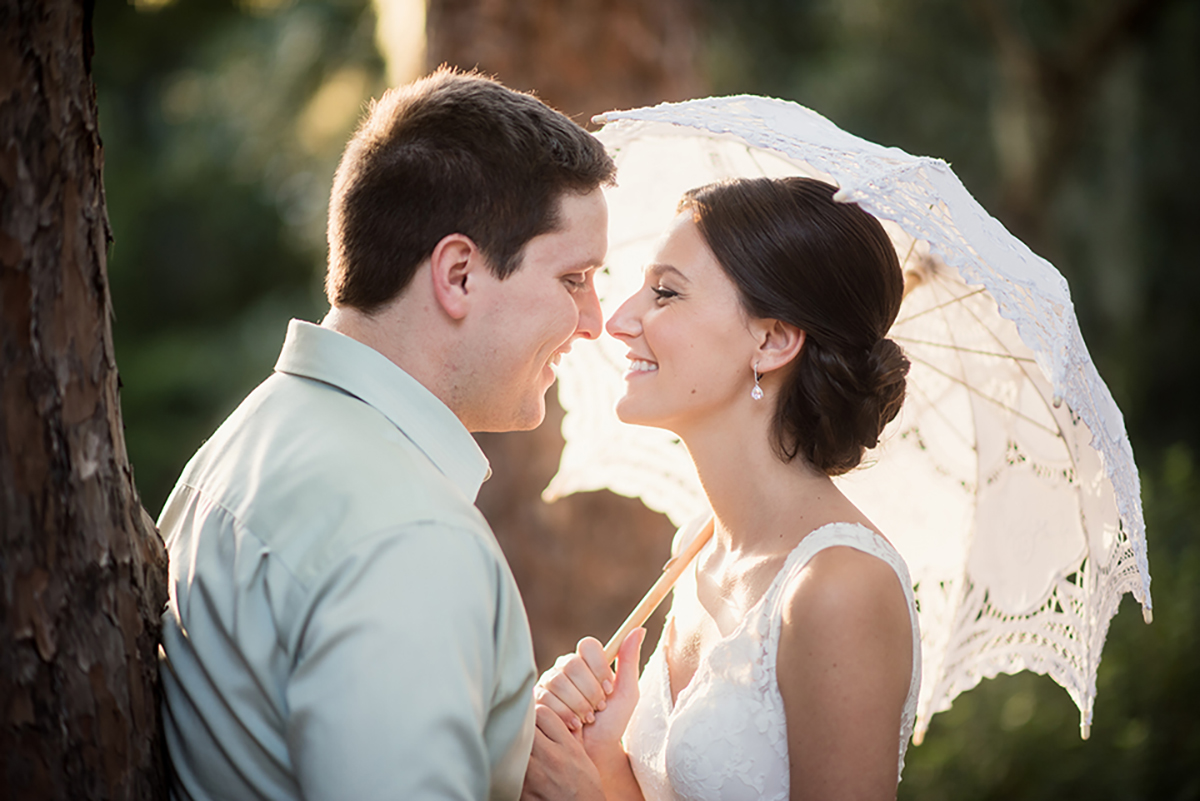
[{"x": 342, "y": 623}]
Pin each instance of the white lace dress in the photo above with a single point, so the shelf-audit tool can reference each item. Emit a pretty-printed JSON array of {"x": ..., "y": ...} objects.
[{"x": 725, "y": 737}]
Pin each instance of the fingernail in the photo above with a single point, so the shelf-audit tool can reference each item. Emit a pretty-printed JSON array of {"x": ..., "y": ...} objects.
[
  {"x": 600, "y": 706},
  {"x": 607, "y": 685},
  {"x": 575, "y": 724},
  {"x": 591, "y": 718}
]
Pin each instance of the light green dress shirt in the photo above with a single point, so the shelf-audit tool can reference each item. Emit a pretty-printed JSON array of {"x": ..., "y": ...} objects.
[{"x": 342, "y": 623}]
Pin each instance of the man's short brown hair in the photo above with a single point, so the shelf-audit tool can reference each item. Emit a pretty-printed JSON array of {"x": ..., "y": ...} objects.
[{"x": 450, "y": 153}]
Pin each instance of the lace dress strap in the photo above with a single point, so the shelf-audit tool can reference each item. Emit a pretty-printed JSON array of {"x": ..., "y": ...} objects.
[{"x": 863, "y": 539}]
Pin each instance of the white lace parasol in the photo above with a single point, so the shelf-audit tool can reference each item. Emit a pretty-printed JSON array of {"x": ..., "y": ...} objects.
[{"x": 1007, "y": 481}]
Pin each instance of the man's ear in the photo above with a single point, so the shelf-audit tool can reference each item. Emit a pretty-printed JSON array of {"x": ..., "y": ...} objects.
[
  {"x": 453, "y": 266},
  {"x": 779, "y": 343}
]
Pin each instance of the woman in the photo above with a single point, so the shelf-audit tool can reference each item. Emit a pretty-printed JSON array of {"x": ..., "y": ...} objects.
[{"x": 790, "y": 661}]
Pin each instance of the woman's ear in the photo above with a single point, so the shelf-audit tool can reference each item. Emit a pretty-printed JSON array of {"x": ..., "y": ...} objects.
[
  {"x": 453, "y": 265},
  {"x": 779, "y": 344}
]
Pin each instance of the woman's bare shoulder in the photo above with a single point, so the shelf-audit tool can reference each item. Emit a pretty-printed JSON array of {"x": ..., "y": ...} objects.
[{"x": 840, "y": 587}]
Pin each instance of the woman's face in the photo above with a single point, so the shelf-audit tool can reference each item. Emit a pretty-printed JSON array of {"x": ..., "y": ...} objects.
[{"x": 691, "y": 349}]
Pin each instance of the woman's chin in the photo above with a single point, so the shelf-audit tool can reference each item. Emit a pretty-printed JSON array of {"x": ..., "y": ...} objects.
[
  {"x": 631, "y": 412},
  {"x": 622, "y": 410},
  {"x": 627, "y": 411}
]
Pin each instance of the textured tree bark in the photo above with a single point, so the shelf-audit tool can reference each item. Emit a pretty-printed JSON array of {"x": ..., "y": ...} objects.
[
  {"x": 584, "y": 561},
  {"x": 581, "y": 56},
  {"x": 82, "y": 566}
]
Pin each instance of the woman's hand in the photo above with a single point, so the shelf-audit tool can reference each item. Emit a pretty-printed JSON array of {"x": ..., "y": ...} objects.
[
  {"x": 578, "y": 685},
  {"x": 602, "y": 737},
  {"x": 573, "y": 763},
  {"x": 581, "y": 687}
]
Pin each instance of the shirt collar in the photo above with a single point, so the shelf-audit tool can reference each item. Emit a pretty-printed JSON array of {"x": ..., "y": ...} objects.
[{"x": 325, "y": 355}]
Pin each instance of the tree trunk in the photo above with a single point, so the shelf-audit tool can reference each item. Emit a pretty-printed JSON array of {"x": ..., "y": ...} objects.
[
  {"x": 583, "y": 561},
  {"x": 83, "y": 569},
  {"x": 581, "y": 56},
  {"x": 1040, "y": 110}
]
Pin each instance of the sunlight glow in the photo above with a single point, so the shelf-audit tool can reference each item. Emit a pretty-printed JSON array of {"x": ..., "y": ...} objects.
[
  {"x": 400, "y": 37},
  {"x": 331, "y": 113},
  {"x": 151, "y": 5}
]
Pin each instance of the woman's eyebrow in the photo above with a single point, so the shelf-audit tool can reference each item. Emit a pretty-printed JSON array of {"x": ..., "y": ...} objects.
[{"x": 658, "y": 270}]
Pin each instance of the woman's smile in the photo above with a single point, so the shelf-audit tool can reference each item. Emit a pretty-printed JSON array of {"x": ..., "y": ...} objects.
[{"x": 640, "y": 366}]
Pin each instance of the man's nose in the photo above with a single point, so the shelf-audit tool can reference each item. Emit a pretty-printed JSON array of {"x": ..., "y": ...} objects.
[{"x": 591, "y": 319}]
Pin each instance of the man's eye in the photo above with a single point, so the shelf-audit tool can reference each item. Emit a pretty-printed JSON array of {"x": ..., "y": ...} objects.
[{"x": 576, "y": 280}]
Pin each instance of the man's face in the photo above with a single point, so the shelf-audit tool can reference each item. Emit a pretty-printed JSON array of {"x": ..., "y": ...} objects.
[{"x": 530, "y": 319}]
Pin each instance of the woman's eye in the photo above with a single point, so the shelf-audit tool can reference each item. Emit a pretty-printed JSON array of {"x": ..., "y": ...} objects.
[
  {"x": 663, "y": 293},
  {"x": 576, "y": 280}
]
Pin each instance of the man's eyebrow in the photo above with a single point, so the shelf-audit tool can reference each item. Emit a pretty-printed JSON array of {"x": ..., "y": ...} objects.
[
  {"x": 586, "y": 266},
  {"x": 658, "y": 270}
]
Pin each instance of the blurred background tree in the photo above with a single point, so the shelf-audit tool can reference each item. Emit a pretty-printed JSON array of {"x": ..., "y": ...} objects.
[
  {"x": 1074, "y": 121},
  {"x": 583, "y": 58}
]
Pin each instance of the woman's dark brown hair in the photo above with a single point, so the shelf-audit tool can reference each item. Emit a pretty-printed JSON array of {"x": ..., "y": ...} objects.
[{"x": 828, "y": 268}]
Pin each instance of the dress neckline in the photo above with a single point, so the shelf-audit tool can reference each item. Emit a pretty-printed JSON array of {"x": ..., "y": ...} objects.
[{"x": 751, "y": 614}]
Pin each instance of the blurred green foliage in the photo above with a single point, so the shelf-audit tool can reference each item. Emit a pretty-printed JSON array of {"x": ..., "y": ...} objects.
[{"x": 222, "y": 123}]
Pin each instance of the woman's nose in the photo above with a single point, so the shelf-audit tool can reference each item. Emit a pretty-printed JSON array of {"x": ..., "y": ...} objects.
[{"x": 625, "y": 322}]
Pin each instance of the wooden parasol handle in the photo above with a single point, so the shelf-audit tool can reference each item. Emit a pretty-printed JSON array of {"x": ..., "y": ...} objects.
[{"x": 672, "y": 570}]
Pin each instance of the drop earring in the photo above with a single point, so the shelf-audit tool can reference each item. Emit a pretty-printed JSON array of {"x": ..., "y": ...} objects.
[{"x": 757, "y": 392}]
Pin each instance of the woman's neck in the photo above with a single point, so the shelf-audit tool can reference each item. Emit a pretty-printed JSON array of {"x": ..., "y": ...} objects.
[{"x": 761, "y": 503}]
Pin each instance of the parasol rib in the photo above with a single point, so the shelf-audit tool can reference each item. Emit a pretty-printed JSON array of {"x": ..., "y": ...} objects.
[
  {"x": 1024, "y": 370},
  {"x": 935, "y": 410},
  {"x": 951, "y": 302},
  {"x": 961, "y": 349},
  {"x": 1055, "y": 431}
]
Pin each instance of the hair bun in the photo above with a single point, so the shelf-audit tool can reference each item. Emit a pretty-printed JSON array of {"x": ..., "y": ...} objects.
[
  {"x": 888, "y": 373},
  {"x": 841, "y": 401}
]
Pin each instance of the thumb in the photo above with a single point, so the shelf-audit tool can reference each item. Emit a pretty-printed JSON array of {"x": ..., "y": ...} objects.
[
  {"x": 628, "y": 662},
  {"x": 614, "y": 719}
]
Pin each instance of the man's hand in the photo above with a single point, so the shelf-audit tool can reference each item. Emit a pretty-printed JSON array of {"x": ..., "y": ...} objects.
[{"x": 559, "y": 768}]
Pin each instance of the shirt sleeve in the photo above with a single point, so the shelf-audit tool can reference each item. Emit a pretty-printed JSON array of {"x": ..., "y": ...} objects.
[{"x": 394, "y": 669}]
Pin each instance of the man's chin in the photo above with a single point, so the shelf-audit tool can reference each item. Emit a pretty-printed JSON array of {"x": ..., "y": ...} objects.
[
  {"x": 529, "y": 422},
  {"x": 525, "y": 419},
  {"x": 534, "y": 416}
]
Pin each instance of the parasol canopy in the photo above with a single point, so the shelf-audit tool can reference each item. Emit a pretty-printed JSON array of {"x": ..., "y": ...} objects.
[{"x": 1007, "y": 481}]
